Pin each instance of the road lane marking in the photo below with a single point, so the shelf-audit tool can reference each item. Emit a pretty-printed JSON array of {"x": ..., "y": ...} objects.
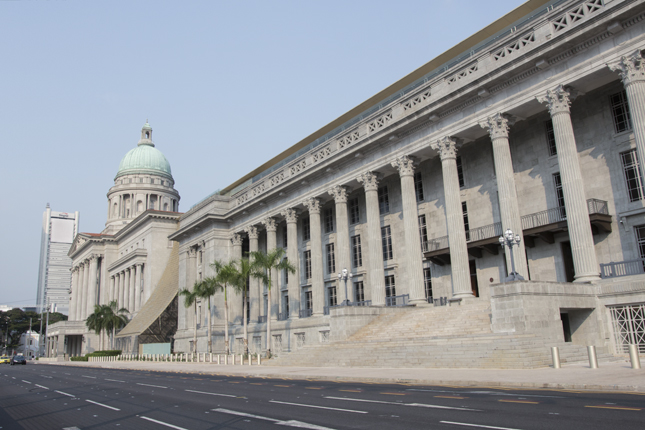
[
  {"x": 518, "y": 401},
  {"x": 286, "y": 386},
  {"x": 91, "y": 377},
  {"x": 114, "y": 380},
  {"x": 290, "y": 423},
  {"x": 148, "y": 385},
  {"x": 26, "y": 382},
  {"x": 394, "y": 394},
  {"x": 211, "y": 394},
  {"x": 42, "y": 387},
  {"x": 314, "y": 388},
  {"x": 494, "y": 393},
  {"x": 352, "y": 391},
  {"x": 257, "y": 383},
  {"x": 64, "y": 394},
  {"x": 318, "y": 407},
  {"x": 477, "y": 425},
  {"x": 101, "y": 404},
  {"x": 621, "y": 408},
  {"x": 451, "y": 397},
  {"x": 163, "y": 423},
  {"x": 417, "y": 405}
]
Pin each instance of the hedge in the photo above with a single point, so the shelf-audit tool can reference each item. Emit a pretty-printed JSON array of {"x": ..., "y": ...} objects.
[
  {"x": 108, "y": 353},
  {"x": 78, "y": 358}
]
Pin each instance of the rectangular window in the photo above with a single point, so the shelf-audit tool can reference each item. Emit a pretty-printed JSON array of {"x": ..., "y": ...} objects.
[
  {"x": 460, "y": 172},
  {"x": 357, "y": 253},
  {"x": 620, "y": 112},
  {"x": 427, "y": 282},
  {"x": 464, "y": 210},
  {"x": 633, "y": 176},
  {"x": 329, "y": 220},
  {"x": 550, "y": 138},
  {"x": 307, "y": 259},
  {"x": 359, "y": 291},
  {"x": 418, "y": 186},
  {"x": 331, "y": 259},
  {"x": 640, "y": 239},
  {"x": 354, "y": 212},
  {"x": 386, "y": 238},
  {"x": 390, "y": 289},
  {"x": 559, "y": 194},
  {"x": 423, "y": 230},
  {"x": 383, "y": 200},
  {"x": 306, "y": 230},
  {"x": 332, "y": 296},
  {"x": 308, "y": 300}
]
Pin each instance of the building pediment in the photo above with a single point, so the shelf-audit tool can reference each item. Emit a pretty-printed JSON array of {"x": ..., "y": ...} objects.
[{"x": 137, "y": 256}]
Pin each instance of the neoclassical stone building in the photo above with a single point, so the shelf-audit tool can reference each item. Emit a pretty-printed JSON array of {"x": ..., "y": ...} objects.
[
  {"x": 534, "y": 124},
  {"x": 131, "y": 260}
]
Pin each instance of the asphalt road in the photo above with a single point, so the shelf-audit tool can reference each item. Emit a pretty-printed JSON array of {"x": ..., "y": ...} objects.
[{"x": 40, "y": 396}]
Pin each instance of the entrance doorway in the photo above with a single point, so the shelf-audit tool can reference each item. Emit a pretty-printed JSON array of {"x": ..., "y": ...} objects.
[
  {"x": 567, "y": 260},
  {"x": 566, "y": 327},
  {"x": 473, "y": 278}
]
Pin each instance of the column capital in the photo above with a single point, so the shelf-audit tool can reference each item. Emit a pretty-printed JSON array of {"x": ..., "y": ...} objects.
[
  {"x": 405, "y": 165},
  {"x": 447, "y": 147},
  {"x": 291, "y": 215},
  {"x": 557, "y": 100},
  {"x": 339, "y": 193},
  {"x": 270, "y": 225},
  {"x": 630, "y": 68},
  {"x": 252, "y": 231},
  {"x": 236, "y": 239},
  {"x": 313, "y": 205},
  {"x": 369, "y": 180},
  {"x": 497, "y": 125}
]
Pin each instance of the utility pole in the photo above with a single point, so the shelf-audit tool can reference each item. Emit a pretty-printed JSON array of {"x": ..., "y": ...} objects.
[
  {"x": 40, "y": 333},
  {"x": 46, "y": 326}
]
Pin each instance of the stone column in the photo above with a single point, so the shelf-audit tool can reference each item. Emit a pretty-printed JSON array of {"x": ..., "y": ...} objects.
[
  {"x": 413, "y": 257},
  {"x": 632, "y": 71},
  {"x": 343, "y": 254},
  {"x": 582, "y": 245},
  {"x": 369, "y": 181},
  {"x": 137, "y": 287},
  {"x": 111, "y": 291},
  {"x": 293, "y": 285},
  {"x": 91, "y": 290},
  {"x": 121, "y": 289},
  {"x": 126, "y": 290},
  {"x": 497, "y": 126},
  {"x": 271, "y": 227},
  {"x": 235, "y": 299},
  {"x": 86, "y": 282},
  {"x": 447, "y": 148},
  {"x": 74, "y": 298},
  {"x": 255, "y": 295},
  {"x": 79, "y": 292},
  {"x": 133, "y": 290},
  {"x": 317, "y": 277}
]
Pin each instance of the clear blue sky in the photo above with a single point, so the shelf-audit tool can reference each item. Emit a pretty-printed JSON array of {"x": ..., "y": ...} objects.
[{"x": 226, "y": 85}]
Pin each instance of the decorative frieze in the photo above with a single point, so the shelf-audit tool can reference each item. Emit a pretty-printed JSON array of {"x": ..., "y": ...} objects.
[
  {"x": 348, "y": 139},
  {"x": 415, "y": 101},
  {"x": 463, "y": 74},
  {"x": 298, "y": 167},
  {"x": 578, "y": 13},
  {"x": 514, "y": 47},
  {"x": 277, "y": 179},
  {"x": 322, "y": 154},
  {"x": 380, "y": 122}
]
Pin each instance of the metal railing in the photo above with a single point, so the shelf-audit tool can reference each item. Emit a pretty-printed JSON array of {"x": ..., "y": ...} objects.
[
  {"x": 596, "y": 206},
  {"x": 401, "y": 300},
  {"x": 438, "y": 301},
  {"x": 283, "y": 316},
  {"x": 485, "y": 232},
  {"x": 304, "y": 313},
  {"x": 549, "y": 216},
  {"x": 622, "y": 268},
  {"x": 363, "y": 303},
  {"x": 435, "y": 244},
  {"x": 262, "y": 319}
]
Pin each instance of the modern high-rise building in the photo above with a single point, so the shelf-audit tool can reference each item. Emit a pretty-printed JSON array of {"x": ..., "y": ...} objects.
[{"x": 54, "y": 275}]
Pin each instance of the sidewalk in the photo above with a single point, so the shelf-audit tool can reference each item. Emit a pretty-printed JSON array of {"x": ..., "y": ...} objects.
[{"x": 610, "y": 376}]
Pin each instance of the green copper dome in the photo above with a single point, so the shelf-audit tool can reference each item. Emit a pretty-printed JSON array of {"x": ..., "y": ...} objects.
[{"x": 145, "y": 158}]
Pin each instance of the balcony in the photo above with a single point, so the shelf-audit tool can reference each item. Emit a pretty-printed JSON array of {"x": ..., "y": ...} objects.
[
  {"x": 326, "y": 309},
  {"x": 540, "y": 225},
  {"x": 622, "y": 268},
  {"x": 305, "y": 313}
]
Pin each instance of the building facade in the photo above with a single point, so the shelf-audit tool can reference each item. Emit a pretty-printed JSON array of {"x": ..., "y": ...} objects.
[
  {"x": 54, "y": 278},
  {"x": 535, "y": 124}
]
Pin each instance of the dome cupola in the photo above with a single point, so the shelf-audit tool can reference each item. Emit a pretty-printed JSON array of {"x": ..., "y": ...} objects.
[{"x": 145, "y": 158}]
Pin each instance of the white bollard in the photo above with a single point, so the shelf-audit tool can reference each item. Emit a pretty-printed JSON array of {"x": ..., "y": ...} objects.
[
  {"x": 210, "y": 359},
  {"x": 242, "y": 359},
  {"x": 555, "y": 354},
  {"x": 250, "y": 360},
  {"x": 218, "y": 359},
  {"x": 593, "y": 359},
  {"x": 259, "y": 359},
  {"x": 225, "y": 359},
  {"x": 634, "y": 356}
]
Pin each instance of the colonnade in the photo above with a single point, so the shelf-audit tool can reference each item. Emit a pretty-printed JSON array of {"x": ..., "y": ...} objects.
[
  {"x": 86, "y": 284},
  {"x": 128, "y": 289},
  {"x": 129, "y": 201}
]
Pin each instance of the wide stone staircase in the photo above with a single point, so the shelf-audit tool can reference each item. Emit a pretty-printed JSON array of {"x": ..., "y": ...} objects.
[{"x": 435, "y": 337}]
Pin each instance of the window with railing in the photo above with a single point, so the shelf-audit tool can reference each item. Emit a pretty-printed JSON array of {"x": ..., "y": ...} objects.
[
  {"x": 460, "y": 172},
  {"x": 359, "y": 292},
  {"x": 332, "y": 298},
  {"x": 620, "y": 112},
  {"x": 383, "y": 200},
  {"x": 354, "y": 212},
  {"x": 418, "y": 186},
  {"x": 423, "y": 230},
  {"x": 331, "y": 258},
  {"x": 559, "y": 193},
  {"x": 329, "y": 220},
  {"x": 386, "y": 239},
  {"x": 390, "y": 287},
  {"x": 306, "y": 229},
  {"x": 357, "y": 253},
  {"x": 633, "y": 177},
  {"x": 307, "y": 262},
  {"x": 464, "y": 210},
  {"x": 550, "y": 138},
  {"x": 427, "y": 282}
]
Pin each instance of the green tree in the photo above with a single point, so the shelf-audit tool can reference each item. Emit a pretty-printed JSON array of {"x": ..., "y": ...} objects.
[
  {"x": 206, "y": 290},
  {"x": 190, "y": 299},
  {"x": 265, "y": 262},
  {"x": 113, "y": 318},
  {"x": 225, "y": 275},
  {"x": 95, "y": 322},
  {"x": 245, "y": 270}
]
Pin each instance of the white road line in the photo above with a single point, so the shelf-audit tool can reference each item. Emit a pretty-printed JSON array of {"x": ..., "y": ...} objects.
[
  {"x": 477, "y": 425},
  {"x": 244, "y": 414},
  {"x": 101, "y": 404},
  {"x": 492, "y": 393},
  {"x": 93, "y": 377},
  {"x": 418, "y": 405},
  {"x": 212, "y": 394},
  {"x": 148, "y": 385},
  {"x": 26, "y": 382},
  {"x": 318, "y": 407},
  {"x": 114, "y": 380},
  {"x": 163, "y": 423},
  {"x": 290, "y": 423},
  {"x": 64, "y": 394},
  {"x": 42, "y": 387}
]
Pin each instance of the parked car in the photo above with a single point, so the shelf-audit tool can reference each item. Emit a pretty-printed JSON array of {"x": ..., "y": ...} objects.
[
  {"x": 4, "y": 359},
  {"x": 18, "y": 359}
]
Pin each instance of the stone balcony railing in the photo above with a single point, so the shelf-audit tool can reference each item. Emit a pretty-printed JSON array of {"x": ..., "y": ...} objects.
[{"x": 622, "y": 268}]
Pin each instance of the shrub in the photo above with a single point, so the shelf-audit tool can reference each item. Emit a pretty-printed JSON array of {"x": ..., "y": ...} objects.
[
  {"x": 78, "y": 358},
  {"x": 108, "y": 353}
]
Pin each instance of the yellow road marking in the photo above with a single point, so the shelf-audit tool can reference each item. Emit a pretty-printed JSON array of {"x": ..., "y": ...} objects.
[
  {"x": 256, "y": 383},
  {"x": 314, "y": 388},
  {"x": 395, "y": 394},
  {"x": 451, "y": 397},
  {"x": 287, "y": 386},
  {"x": 519, "y": 401},
  {"x": 621, "y": 408},
  {"x": 352, "y": 391},
  {"x": 233, "y": 382}
]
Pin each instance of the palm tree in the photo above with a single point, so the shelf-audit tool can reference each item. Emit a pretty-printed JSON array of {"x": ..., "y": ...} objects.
[
  {"x": 190, "y": 299},
  {"x": 225, "y": 274},
  {"x": 265, "y": 262},
  {"x": 113, "y": 318},
  {"x": 244, "y": 270},
  {"x": 206, "y": 290},
  {"x": 95, "y": 322}
]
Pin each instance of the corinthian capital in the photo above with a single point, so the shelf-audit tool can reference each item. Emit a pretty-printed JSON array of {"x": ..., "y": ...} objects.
[
  {"x": 557, "y": 100},
  {"x": 446, "y": 146},
  {"x": 236, "y": 239},
  {"x": 369, "y": 180},
  {"x": 313, "y": 205},
  {"x": 405, "y": 165},
  {"x": 252, "y": 231},
  {"x": 630, "y": 68},
  {"x": 497, "y": 126},
  {"x": 291, "y": 215},
  {"x": 339, "y": 193},
  {"x": 269, "y": 224}
]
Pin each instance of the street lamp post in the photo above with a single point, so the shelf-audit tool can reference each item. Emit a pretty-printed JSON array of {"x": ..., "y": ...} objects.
[
  {"x": 510, "y": 240},
  {"x": 343, "y": 276}
]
